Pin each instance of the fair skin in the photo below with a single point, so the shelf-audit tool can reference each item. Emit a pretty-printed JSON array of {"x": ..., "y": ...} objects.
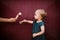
[
  {"x": 38, "y": 18},
  {"x": 10, "y": 19}
]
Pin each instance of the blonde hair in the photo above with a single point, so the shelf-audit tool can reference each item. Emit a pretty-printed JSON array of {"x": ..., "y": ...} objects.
[{"x": 42, "y": 12}]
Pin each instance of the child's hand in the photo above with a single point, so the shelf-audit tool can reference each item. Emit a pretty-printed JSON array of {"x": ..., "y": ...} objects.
[
  {"x": 23, "y": 21},
  {"x": 34, "y": 35}
]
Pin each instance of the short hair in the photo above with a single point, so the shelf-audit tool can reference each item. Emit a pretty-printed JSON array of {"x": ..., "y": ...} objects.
[{"x": 43, "y": 13}]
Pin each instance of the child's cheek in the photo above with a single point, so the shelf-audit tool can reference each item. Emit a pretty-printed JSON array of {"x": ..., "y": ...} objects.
[{"x": 36, "y": 17}]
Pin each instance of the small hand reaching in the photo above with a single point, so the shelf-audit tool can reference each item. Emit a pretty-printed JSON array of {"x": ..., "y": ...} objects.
[{"x": 23, "y": 21}]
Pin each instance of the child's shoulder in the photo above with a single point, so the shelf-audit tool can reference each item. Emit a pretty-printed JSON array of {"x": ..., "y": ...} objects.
[
  {"x": 34, "y": 21},
  {"x": 41, "y": 23}
]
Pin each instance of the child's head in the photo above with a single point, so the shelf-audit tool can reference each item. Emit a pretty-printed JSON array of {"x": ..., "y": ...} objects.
[{"x": 40, "y": 14}]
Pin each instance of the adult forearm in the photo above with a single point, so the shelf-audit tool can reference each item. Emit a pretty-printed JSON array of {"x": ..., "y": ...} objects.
[{"x": 4, "y": 20}]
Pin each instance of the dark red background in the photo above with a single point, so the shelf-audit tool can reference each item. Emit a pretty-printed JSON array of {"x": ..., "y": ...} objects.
[{"x": 16, "y": 31}]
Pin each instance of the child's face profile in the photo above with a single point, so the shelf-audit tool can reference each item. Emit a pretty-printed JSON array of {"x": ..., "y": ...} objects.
[{"x": 37, "y": 15}]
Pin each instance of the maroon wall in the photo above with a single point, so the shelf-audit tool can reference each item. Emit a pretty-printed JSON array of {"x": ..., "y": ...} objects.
[{"x": 16, "y": 31}]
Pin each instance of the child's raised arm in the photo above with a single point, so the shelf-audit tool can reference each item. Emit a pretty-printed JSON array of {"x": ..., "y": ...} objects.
[{"x": 28, "y": 21}]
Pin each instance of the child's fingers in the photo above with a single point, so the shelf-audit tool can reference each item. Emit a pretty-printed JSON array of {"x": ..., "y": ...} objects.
[
  {"x": 21, "y": 22},
  {"x": 24, "y": 20}
]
